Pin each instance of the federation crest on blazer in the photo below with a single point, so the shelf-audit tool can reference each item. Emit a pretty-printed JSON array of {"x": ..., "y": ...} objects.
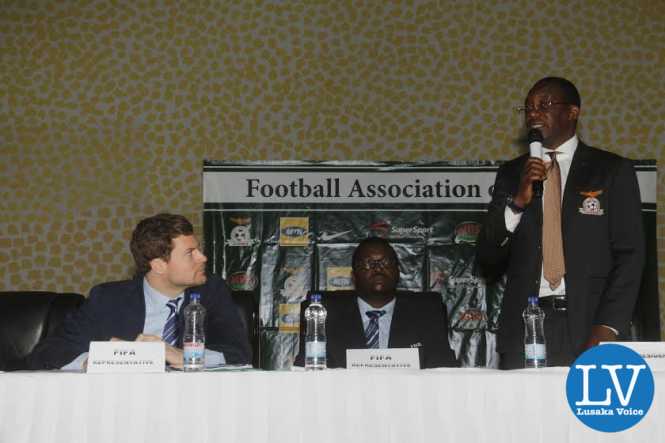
[{"x": 591, "y": 205}]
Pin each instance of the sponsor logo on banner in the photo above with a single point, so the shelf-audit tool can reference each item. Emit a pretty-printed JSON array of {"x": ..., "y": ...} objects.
[
  {"x": 327, "y": 236},
  {"x": 295, "y": 287},
  {"x": 411, "y": 231},
  {"x": 467, "y": 232},
  {"x": 289, "y": 318},
  {"x": 472, "y": 315},
  {"x": 241, "y": 281},
  {"x": 240, "y": 234},
  {"x": 338, "y": 278},
  {"x": 294, "y": 231},
  {"x": 386, "y": 229},
  {"x": 437, "y": 280},
  {"x": 610, "y": 388},
  {"x": 380, "y": 229}
]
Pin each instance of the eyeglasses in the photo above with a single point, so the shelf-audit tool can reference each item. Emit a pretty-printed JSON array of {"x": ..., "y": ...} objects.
[
  {"x": 540, "y": 107},
  {"x": 368, "y": 264}
]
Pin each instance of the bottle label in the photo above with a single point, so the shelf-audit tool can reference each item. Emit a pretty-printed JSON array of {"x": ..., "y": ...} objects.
[
  {"x": 193, "y": 351},
  {"x": 315, "y": 349},
  {"x": 535, "y": 351}
]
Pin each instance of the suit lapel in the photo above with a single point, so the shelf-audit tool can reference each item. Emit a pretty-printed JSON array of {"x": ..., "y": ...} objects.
[
  {"x": 356, "y": 331},
  {"x": 579, "y": 171},
  {"x": 136, "y": 308},
  {"x": 400, "y": 331},
  {"x": 404, "y": 333}
]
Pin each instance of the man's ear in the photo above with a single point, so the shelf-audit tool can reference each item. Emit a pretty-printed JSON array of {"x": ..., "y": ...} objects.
[
  {"x": 158, "y": 266},
  {"x": 574, "y": 113}
]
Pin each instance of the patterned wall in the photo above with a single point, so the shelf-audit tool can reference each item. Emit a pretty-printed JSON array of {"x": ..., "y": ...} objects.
[{"x": 108, "y": 108}]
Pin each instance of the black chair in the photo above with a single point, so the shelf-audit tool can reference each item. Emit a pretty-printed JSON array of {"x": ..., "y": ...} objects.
[
  {"x": 248, "y": 308},
  {"x": 28, "y": 317}
]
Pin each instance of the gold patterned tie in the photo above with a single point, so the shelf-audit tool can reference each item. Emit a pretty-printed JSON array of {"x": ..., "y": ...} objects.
[{"x": 554, "y": 267}]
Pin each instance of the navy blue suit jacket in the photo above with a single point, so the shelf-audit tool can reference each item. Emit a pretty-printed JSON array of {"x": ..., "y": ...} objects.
[{"x": 117, "y": 309}]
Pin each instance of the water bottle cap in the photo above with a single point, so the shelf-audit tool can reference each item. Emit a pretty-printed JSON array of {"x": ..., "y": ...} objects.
[
  {"x": 195, "y": 296},
  {"x": 315, "y": 298},
  {"x": 533, "y": 300}
]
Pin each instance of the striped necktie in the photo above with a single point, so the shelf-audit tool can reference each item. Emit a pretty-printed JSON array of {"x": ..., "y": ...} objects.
[
  {"x": 170, "y": 334},
  {"x": 372, "y": 331}
]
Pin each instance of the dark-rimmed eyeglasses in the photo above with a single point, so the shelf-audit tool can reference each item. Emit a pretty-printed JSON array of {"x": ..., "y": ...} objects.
[
  {"x": 540, "y": 107},
  {"x": 368, "y": 264}
]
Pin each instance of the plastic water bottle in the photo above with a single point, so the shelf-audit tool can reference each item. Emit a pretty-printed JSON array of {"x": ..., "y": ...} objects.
[
  {"x": 315, "y": 336},
  {"x": 193, "y": 339},
  {"x": 535, "y": 353}
]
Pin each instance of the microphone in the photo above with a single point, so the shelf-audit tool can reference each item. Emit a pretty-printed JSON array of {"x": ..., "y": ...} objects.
[{"x": 535, "y": 139}]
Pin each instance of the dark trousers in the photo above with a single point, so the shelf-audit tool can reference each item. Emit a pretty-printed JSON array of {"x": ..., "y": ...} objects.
[{"x": 559, "y": 348}]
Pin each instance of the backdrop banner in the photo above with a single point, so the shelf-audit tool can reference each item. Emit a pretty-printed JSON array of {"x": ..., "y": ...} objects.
[{"x": 281, "y": 229}]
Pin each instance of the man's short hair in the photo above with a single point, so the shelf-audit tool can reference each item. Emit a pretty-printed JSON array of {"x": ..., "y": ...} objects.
[
  {"x": 568, "y": 90},
  {"x": 372, "y": 241},
  {"x": 152, "y": 238}
]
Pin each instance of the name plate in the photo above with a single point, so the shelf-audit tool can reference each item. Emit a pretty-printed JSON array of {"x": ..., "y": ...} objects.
[
  {"x": 125, "y": 356},
  {"x": 653, "y": 352},
  {"x": 391, "y": 358}
]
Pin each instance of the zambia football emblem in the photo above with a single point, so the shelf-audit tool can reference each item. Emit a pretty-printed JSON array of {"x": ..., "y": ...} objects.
[{"x": 591, "y": 205}]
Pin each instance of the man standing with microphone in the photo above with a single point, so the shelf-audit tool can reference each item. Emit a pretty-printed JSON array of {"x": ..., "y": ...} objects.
[{"x": 567, "y": 227}]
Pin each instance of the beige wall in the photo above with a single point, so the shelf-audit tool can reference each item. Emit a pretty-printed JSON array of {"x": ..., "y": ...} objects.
[{"x": 108, "y": 108}]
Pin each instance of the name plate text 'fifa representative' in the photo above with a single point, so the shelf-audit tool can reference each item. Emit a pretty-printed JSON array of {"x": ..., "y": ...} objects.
[
  {"x": 390, "y": 358},
  {"x": 125, "y": 356}
]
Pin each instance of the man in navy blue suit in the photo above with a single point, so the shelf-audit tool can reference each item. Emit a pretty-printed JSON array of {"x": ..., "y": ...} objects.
[{"x": 169, "y": 267}]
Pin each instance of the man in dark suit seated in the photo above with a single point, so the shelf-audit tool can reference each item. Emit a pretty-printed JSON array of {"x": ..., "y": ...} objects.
[
  {"x": 170, "y": 266},
  {"x": 376, "y": 316}
]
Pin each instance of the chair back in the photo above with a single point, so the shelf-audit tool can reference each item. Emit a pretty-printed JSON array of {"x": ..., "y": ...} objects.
[{"x": 27, "y": 317}]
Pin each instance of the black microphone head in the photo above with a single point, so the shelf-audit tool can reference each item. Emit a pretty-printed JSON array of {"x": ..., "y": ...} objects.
[{"x": 534, "y": 135}]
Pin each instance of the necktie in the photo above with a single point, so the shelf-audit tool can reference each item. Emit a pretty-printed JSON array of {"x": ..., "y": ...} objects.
[
  {"x": 170, "y": 333},
  {"x": 553, "y": 265},
  {"x": 372, "y": 331}
]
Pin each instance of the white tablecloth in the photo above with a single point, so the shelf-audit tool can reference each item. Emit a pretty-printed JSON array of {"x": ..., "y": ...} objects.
[{"x": 447, "y": 405}]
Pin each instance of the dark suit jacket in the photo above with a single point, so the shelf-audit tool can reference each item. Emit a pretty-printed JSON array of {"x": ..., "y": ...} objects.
[
  {"x": 603, "y": 253},
  {"x": 419, "y": 320},
  {"x": 117, "y": 309}
]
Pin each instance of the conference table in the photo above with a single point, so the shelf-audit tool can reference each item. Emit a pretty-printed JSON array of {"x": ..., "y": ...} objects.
[{"x": 440, "y": 405}]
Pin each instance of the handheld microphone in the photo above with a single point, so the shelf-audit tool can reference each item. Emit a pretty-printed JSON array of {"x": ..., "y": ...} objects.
[{"x": 535, "y": 139}]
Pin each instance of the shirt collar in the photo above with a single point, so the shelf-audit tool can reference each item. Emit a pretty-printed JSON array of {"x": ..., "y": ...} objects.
[
  {"x": 154, "y": 297},
  {"x": 364, "y": 307},
  {"x": 566, "y": 150}
]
